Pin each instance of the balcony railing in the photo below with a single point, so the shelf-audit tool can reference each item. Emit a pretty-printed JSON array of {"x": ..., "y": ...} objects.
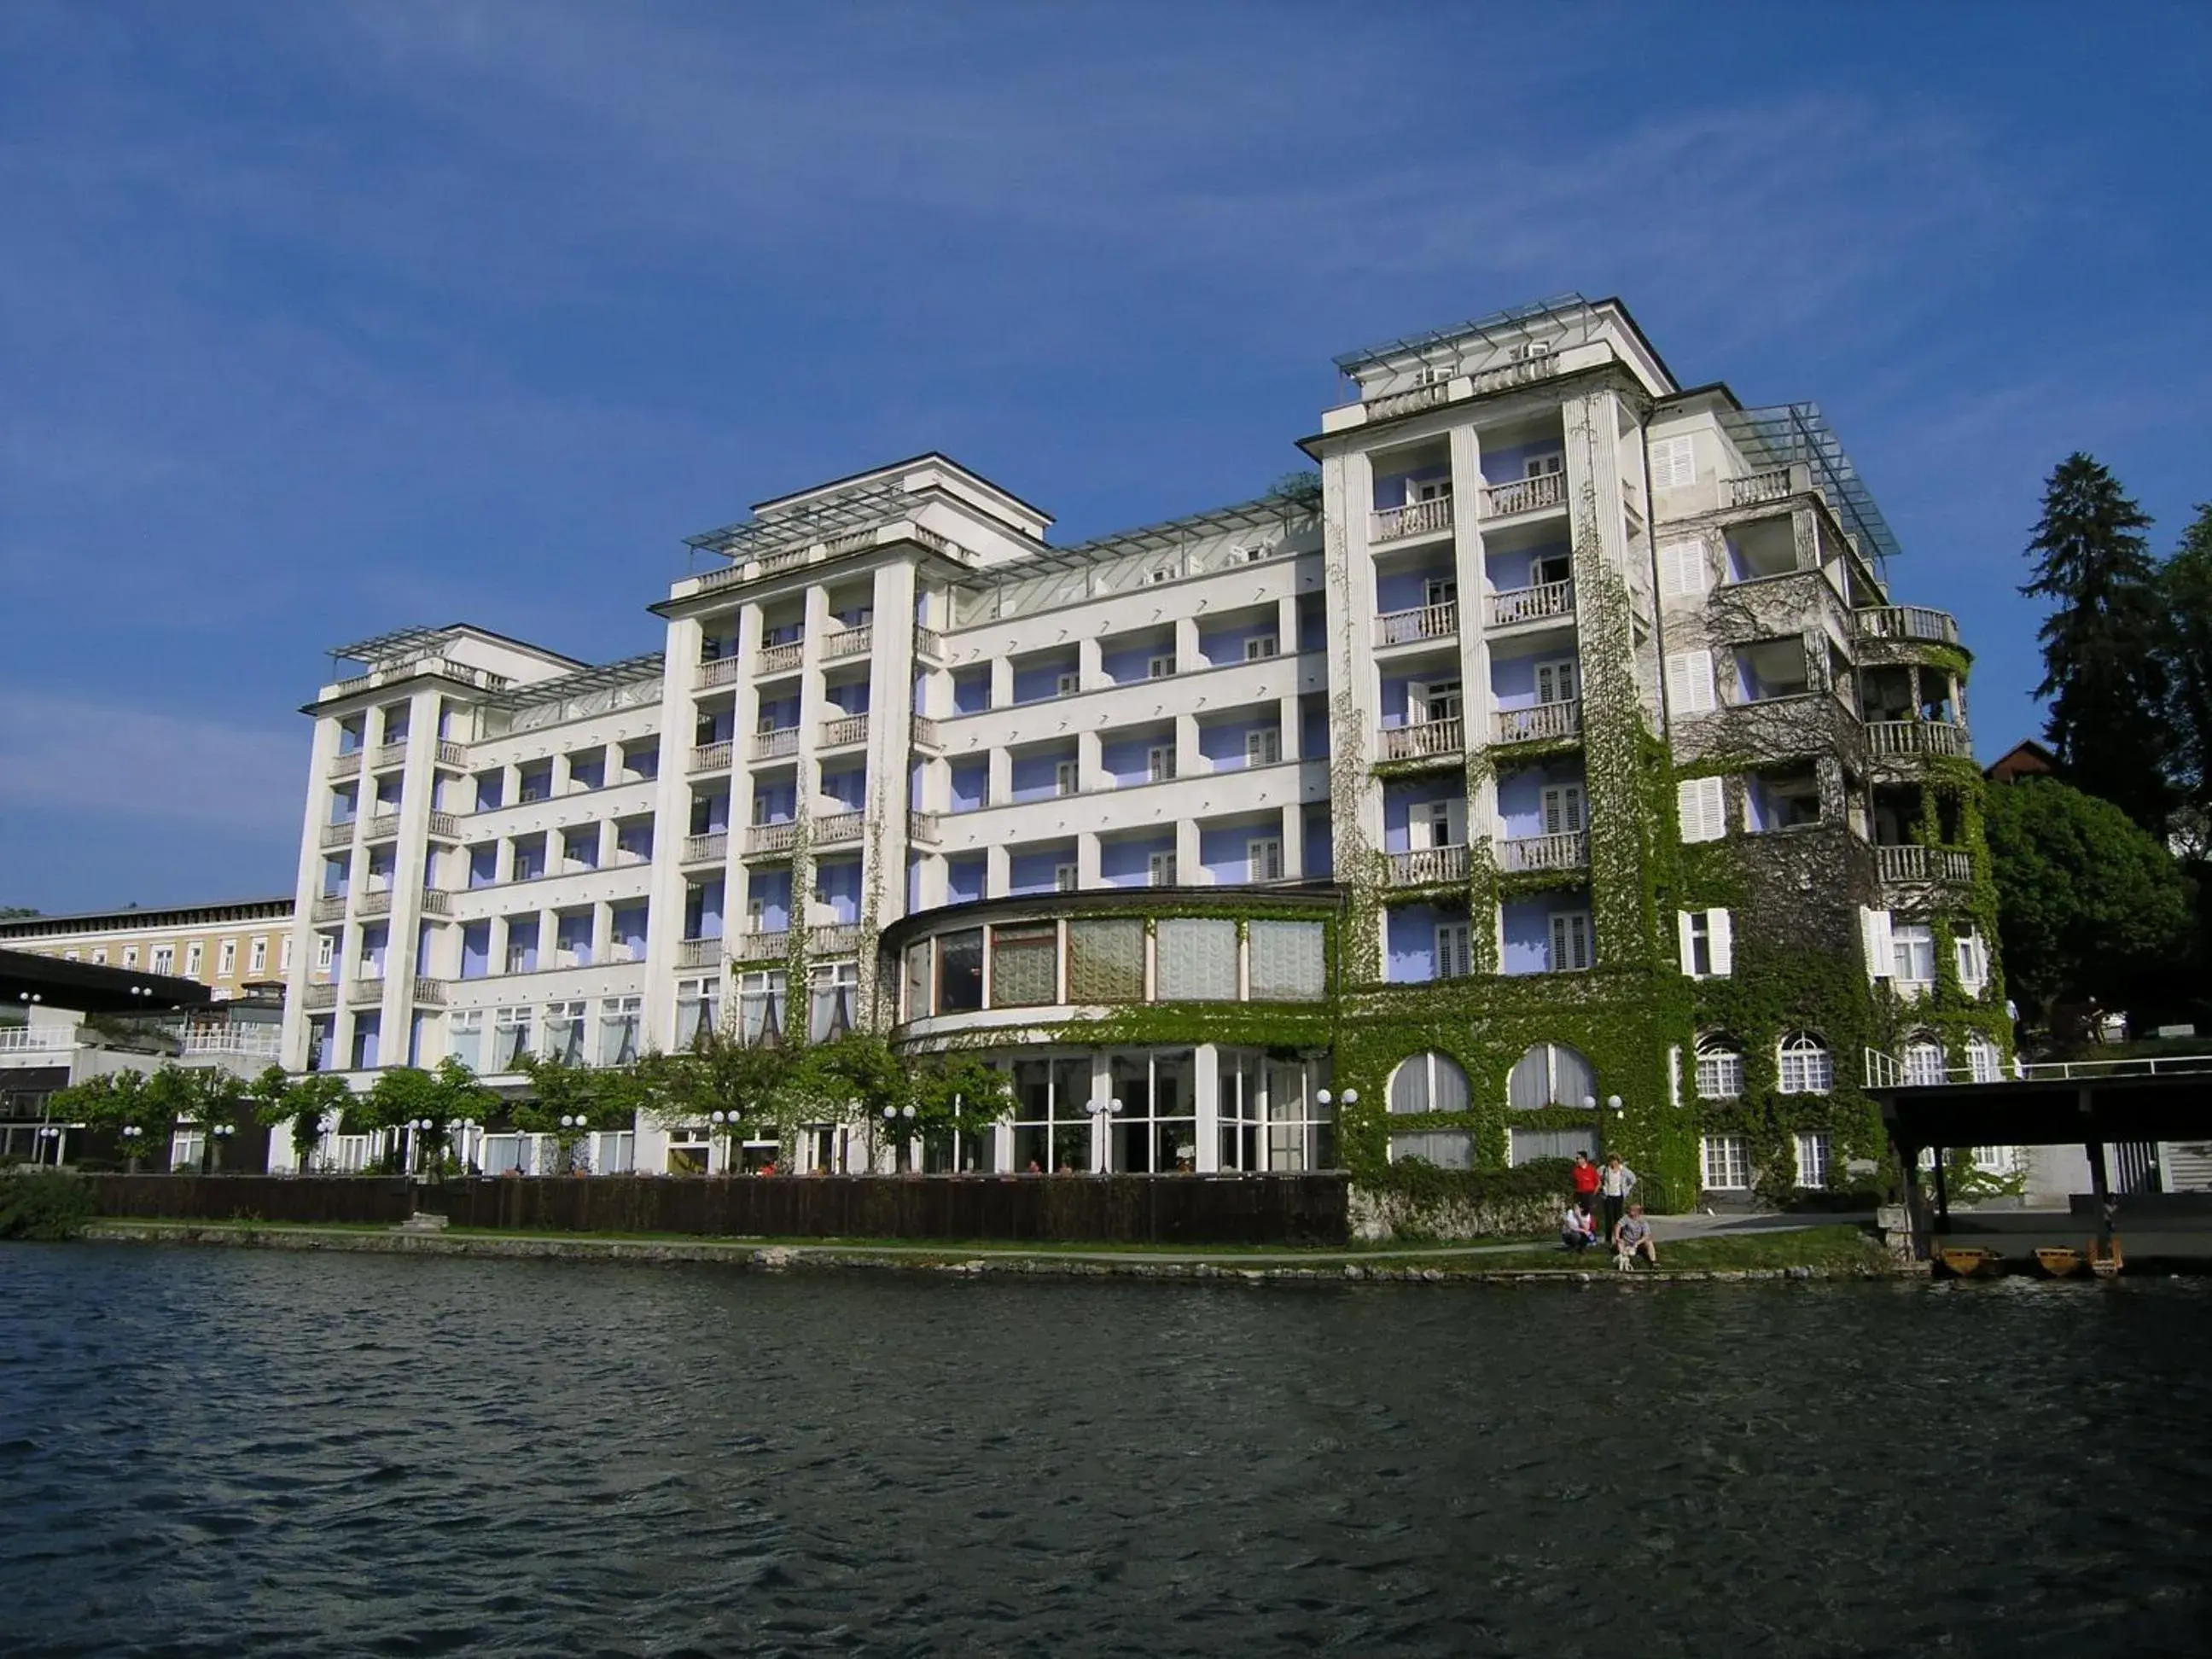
[
  {"x": 376, "y": 901},
  {"x": 1534, "y": 495},
  {"x": 1445, "y": 736},
  {"x": 1426, "y": 866},
  {"x": 430, "y": 993},
  {"x": 345, "y": 765},
  {"x": 929, "y": 645},
  {"x": 452, "y": 754},
  {"x": 850, "y": 729},
  {"x": 1891, "y": 738},
  {"x": 833, "y": 937},
  {"x": 255, "y": 1042},
  {"x": 849, "y": 642},
  {"x": 774, "y": 745},
  {"x": 1393, "y": 405},
  {"x": 338, "y": 834},
  {"x": 771, "y": 837},
  {"x": 710, "y": 848},
  {"x": 720, "y": 672},
  {"x": 779, "y": 659},
  {"x": 839, "y": 826},
  {"x": 436, "y": 901},
  {"x": 1915, "y": 863},
  {"x": 316, "y": 997},
  {"x": 1568, "y": 850},
  {"x": 1523, "y": 605},
  {"x": 366, "y": 989},
  {"x": 1908, "y": 622},
  {"x": 392, "y": 754},
  {"x": 1548, "y": 722},
  {"x": 1414, "y": 518},
  {"x": 698, "y": 953},
  {"x": 924, "y": 828},
  {"x": 761, "y": 947},
  {"x": 444, "y": 826},
  {"x": 1427, "y": 622},
  {"x": 1769, "y": 486},
  {"x": 385, "y": 826},
  {"x": 927, "y": 733},
  {"x": 36, "y": 1039},
  {"x": 711, "y": 756},
  {"x": 331, "y": 906}
]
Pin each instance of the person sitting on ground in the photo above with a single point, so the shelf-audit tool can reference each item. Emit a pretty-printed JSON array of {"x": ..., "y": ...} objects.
[
  {"x": 1577, "y": 1230},
  {"x": 1631, "y": 1237}
]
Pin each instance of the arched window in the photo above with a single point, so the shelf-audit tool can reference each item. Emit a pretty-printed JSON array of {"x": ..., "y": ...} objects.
[
  {"x": 1550, "y": 1074},
  {"x": 1984, "y": 1061},
  {"x": 1720, "y": 1067},
  {"x": 1923, "y": 1061},
  {"x": 1428, "y": 1083},
  {"x": 1807, "y": 1066}
]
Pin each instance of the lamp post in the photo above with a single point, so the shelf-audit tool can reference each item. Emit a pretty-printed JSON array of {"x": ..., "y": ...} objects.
[
  {"x": 49, "y": 1135},
  {"x": 219, "y": 1136},
  {"x": 133, "y": 1150},
  {"x": 716, "y": 1132},
  {"x": 573, "y": 1131},
  {"x": 1102, "y": 1113},
  {"x": 892, "y": 1115}
]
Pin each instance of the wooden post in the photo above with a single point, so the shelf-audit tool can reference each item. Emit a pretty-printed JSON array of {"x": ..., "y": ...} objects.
[
  {"x": 1916, "y": 1207},
  {"x": 1943, "y": 1192},
  {"x": 2102, "y": 1186}
]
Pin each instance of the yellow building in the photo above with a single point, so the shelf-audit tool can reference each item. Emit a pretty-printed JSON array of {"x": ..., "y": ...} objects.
[{"x": 234, "y": 950}]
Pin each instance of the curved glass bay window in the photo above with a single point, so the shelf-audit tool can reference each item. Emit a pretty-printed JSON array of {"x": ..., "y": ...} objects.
[
  {"x": 1051, "y": 1122},
  {"x": 1157, "y": 1129},
  {"x": 1270, "y": 1115}
]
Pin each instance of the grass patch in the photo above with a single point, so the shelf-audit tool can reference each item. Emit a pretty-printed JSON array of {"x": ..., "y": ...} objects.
[{"x": 1833, "y": 1249}]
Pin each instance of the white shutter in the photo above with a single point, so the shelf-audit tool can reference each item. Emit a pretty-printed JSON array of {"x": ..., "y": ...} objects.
[
  {"x": 1555, "y": 680},
  {"x": 1690, "y": 682},
  {"x": 1452, "y": 953},
  {"x": 1720, "y": 936},
  {"x": 1563, "y": 809},
  {"x": 1263, "y": 860},
  {"x": 1673, "y": 463},
  {"x": 1881, "y": 952},
  {"x": 1682, "y": 569},
  {"x": 1263, "y": 746},
  {"x": 1684, "y": 944},
  {"x": 1701, "y": 810}
]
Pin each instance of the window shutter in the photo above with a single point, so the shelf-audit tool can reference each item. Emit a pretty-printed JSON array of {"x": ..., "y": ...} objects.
[
  {"x": 1721, "y": 936},
  {"x": 1690, "y": 682},
  {"x": 1263, "y": 860},
  {"x": 1700, "y": 808},
  {"x": 1880, "y": 952},
  {"x": 1684, "y": 945},
  {"x": 1682, "y": 569},
  {"x": 1673, "y": 463}
]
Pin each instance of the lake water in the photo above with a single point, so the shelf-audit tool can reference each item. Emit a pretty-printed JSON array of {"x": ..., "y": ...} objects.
[{"x": 213, "y": 1452}]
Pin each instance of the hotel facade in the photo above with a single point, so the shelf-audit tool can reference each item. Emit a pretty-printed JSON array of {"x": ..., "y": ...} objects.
[{"x": 1555, "y": 765}]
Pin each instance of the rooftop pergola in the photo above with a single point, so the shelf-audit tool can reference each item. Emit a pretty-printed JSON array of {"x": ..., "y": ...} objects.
[
  {"x": 400, "y": 645},
  {"x": 802, "y": 526},
  {"x": 1498, "y": 328},
  {"x": 1171, "y": 535},
  {"x": 1785, "y": 434},
  {"x": 647, "y": 666}
]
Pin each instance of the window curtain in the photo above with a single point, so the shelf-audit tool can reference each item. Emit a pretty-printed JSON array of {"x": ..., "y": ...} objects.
[
  {"x": 1197, "y": 960},
  {"x": 1289, "y": 961},
  {"x": 1025, "y": 967},
  {"x": 1106, "y": 960}
]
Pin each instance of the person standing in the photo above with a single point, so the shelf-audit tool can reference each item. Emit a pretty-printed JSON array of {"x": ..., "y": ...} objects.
[
  {"x": 1584, "y": 1175},
  {"x": 1614, "y": 1183}
]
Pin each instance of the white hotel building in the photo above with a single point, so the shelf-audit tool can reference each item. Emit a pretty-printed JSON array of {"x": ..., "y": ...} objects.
[{"x": 903, "y": 762}]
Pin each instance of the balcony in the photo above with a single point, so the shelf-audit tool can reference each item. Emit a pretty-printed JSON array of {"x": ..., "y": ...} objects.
[
  {"x": 720, "y": 672},
  {"x": 430, "y": 993},
  {"x": 385, "y": 826},
  {"x": 436, "y": 901},
  {"x": 331, "y": 906},
  {"x": 1769, "y": 486},
  {"x": 698, "y": 953},
  {"x": 775, "y": 660},
  {"x": 1887, "y": 739},
  {"x": 771, "y": 838},
  {"x": 254, "y": 1041},
  {"x": 927, "y": 733},
  {"x": 1908, "y": 865},
  {"x": 1429, "y": 738},
  {"x": 836, "y": 938},
  {"x": 1535, "y": 854},
  {"x": 338, "y": 834},
  {"x": 36, "y": 1039},
  {"x": 929, "y": 646},
  {"x": 444, "y": 826},
  {"x": 390, "y": 755},
  {"x": 924, "y": 829},
  {"x": 844, "y": 733},
  {"x": 761, "y": 947},
  {"x": 849, "y": 642},
  {"x": 1908, "y": 622},
  {"x": 317, "y": 998},
  {"x": 838, "y": 827},
  {"x": 710, "y": 848},
  {"x": 1427, "y": 866},
  {"x": 711, "y": 756},
  {"x": 1548, "y": 722},
  {"x": 345, "y": 765},
  {"x": 451, "y": 755},
  {"x": 1528, "y": 604},
  {"x": 1393, "y": 405},
  {"x": 365, "y": 992},
  {"x": 1427, "y": 622},
  {"x": 377, "y": 902},
  {"x": 776, "y": 744},
  {"x": 1536, "y": 494},
  {"x": 1395, "y": 524}
]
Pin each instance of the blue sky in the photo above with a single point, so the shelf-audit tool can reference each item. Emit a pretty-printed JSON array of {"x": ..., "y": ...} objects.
[{"x": 322, "y": 320}]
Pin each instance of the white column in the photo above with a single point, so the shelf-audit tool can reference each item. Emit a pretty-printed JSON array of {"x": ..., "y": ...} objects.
[
  {"x": 1090, "y": 669},
  {"x": 1102, "y": 1089},
  {"x": 1205, "y": 1089},
  {"x": 1294, "y": 840},
  {"x": 1189, "y": 872}
]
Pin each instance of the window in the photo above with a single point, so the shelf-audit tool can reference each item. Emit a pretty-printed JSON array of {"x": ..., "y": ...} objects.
[
  {"x": 283, "y": 960},
  {"x": 1690, "y": 683},
  {"x": 510, "y": 1038},
  {"x": 1427, "y": 489},
  {"x": 1923, "y": 1062},
  {"x": 1985, "y": 1064},
  {"x": 1570, "y": 942},
  {"x": 1438, "y": 701},
  {"x": 130, "y": 955},
  {"x": 1543, "y": 466},
  {"x": 1707, "y": 941},
  {"x": 1563, "y": 808},
  {"x": 1444, "y": 1149},
  {"x": 1066, "y": 777},
  {"x": 1288, "y": 961},
  {"x": 1024, "y": 966},
  {"x": 1428, "y": 1083},
  {"x": 1550, "y": 1074},
  {"x": 1163, "y": 574},
  {"x": 831, "y": 999},
  {"x": 1973, "y": 958},
  {"x": 1912, "y": 952},
  {"x": 1067, "y": 685},
  {"x": 1263, "y": 747},
  {"x": 1195, "y": 960},
  {"x": 257, "y": 957},
  {"x": 99, "y": 955},
  {"x": 1555, "y": 680},
  {"x": 1260, "y": 647},
  {"x": 1720, "y": 1069},
  {"x": 464, "y": 1035},
  {"x": 1701, "y": 809},
  {"x": 1812, "y": 1159},
  {"x": 1432, "y": 824},
  {"x": 1682, "y": 572},
  {"x": 620, "y": 1021},
  {"x": 960, "y": 972},
  {"x": 1673, "y": 462},
  {"x": 1065, "y": 877},
  {"x": 1728, "y": 1163},
  {"x": 164, "y": 959},
  {"x": 326, "y": 952},
  {"x": 1158, "y": 668},
  {"x": 1106, "y": 960},
  {"x": 564, "y": 1031},
  {"x": 1439, "y": 589},
  {"x": 1551, "y": 569},
  {"x": 226, "y": 958},
  {"x": 697, "y": 1009},
  {"x": 1452, "y": 959},
  {"x": 1160, "y": 763},
  {"x": 1160, "y": 869},
  {"x": 1807, "y": 1067}
]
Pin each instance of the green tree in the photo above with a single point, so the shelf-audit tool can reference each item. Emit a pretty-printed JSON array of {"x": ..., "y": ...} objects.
[
  {"x": 2089, "y": 906},
  {"x": 1300, "y": 489},
  {"x": 755, "y": 1086},
  {"x": 406, "y": 1094},
  {"x": 2102, "y": 672},
  {"x": 589, "y": 1098},
  {"x": 2185, "y": 594},
  {"x": 118, "y": 1101},
  {"x": 960, "y": 1094},
  {"x": 308, "y": 1104}
]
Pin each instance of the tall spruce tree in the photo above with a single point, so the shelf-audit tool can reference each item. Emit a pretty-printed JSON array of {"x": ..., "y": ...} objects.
[
  {"x": 2103, "y": 669},
  {"x": 2185, "y": 591}
]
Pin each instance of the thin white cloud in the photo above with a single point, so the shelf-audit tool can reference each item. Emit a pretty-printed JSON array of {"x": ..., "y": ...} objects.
[{"x": 64, "y": 754}]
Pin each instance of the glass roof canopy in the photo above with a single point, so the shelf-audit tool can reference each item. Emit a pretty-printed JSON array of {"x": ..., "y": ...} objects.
[
  {"x": 1784, "y": 434},
  {"x": 400, "y": 645},
  {"x": 819, "y": 521},
  {"x": 1512, "y": 322}
]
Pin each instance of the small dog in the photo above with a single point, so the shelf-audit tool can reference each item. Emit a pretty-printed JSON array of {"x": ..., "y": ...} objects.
[{"x": 1625, "y": 1261}]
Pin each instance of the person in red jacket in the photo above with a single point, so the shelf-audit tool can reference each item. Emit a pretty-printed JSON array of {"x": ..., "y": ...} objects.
[{"x": 1585, "y": 1174}]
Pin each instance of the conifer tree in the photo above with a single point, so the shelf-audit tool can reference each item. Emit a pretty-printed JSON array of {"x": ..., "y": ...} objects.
[
  {"x": 2103, "y": 668},
  {"x": 2185, "y": 585}
]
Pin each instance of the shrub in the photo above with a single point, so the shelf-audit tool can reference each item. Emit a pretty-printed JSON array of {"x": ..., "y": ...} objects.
[{"x": 43, "y": 1204}]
